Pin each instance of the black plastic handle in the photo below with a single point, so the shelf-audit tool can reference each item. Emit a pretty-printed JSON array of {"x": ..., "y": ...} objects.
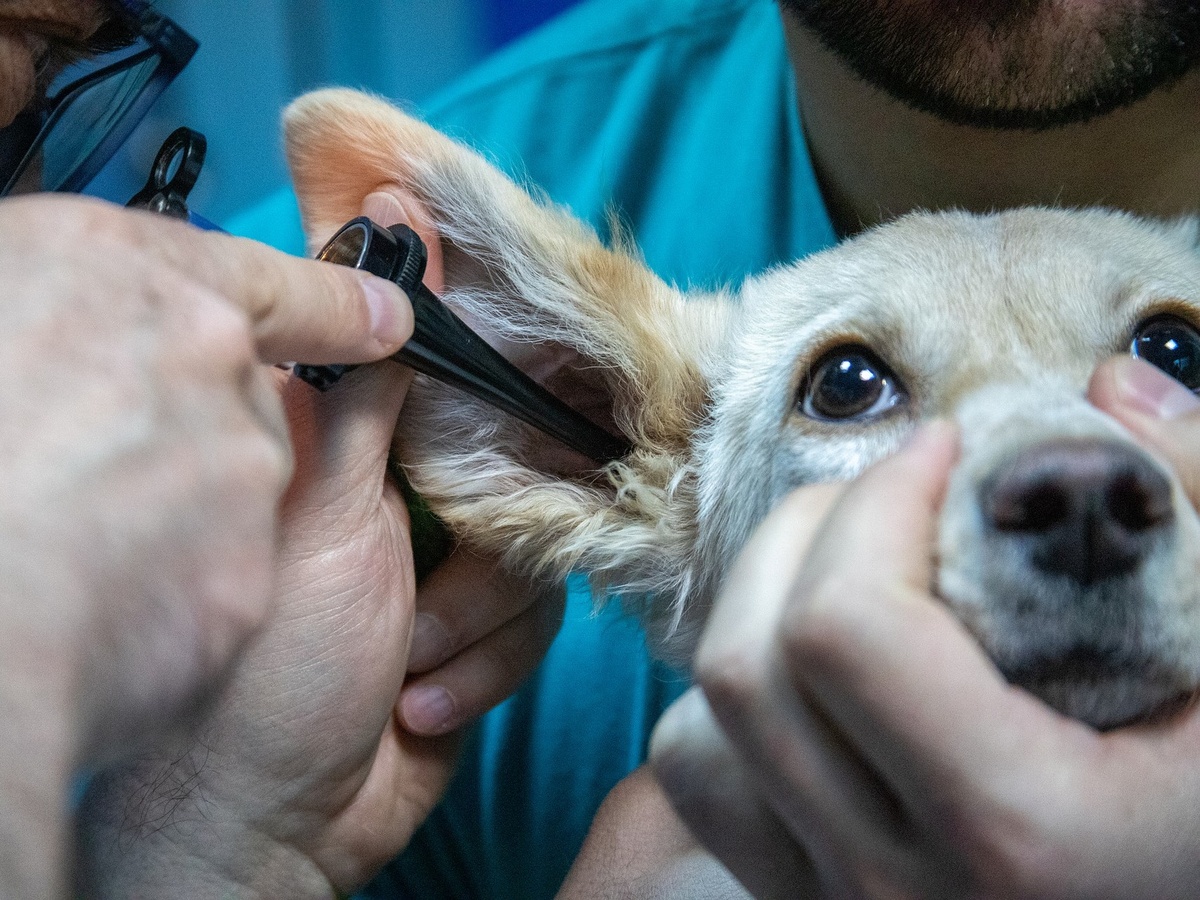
[
  {"x": 444, "y": 348},
  {"x": 173, "y": 175}
]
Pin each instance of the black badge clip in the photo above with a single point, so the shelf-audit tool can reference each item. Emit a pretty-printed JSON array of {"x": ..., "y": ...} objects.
[{"x": 174, "y": 173}]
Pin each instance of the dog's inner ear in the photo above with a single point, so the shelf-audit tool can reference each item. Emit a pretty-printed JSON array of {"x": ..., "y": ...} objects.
[
  {"x": 474, "y": 290},
  {"x": 589, "y": 322},
  {"x": 563, "y": 371},
  {"x": 391, "y": 204}
]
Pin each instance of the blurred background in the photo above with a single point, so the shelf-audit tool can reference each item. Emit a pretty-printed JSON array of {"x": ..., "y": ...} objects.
[{"x": 256, "y": 55}]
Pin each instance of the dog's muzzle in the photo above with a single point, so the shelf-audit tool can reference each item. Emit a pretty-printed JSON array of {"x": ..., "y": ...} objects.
[{"x": 1072, "y": 529}]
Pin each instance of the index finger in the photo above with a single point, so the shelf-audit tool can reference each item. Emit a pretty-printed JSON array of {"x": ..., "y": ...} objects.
[{"x": 299, "y": 309}]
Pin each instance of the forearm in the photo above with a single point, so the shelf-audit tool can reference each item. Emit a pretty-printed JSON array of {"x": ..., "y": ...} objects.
[
  {"x": 144, "y": 833},
  {"x": 639, "y": 847}
]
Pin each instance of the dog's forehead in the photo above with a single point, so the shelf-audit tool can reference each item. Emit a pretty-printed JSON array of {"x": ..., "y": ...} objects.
[{"x": 1040, "y": 285}]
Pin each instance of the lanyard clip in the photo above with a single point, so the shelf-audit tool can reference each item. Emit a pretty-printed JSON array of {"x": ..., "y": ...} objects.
[{"x": 173, "y": 175}]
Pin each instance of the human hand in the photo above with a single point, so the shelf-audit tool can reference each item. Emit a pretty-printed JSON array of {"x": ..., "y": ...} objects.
[
  {"x": 849, "y": 737},
  {"x": 143, "y": 455},
  {"x": 302, "y": 782},
  {"x": 479, "y": 632},
  {"x": 143, "y": 449}
]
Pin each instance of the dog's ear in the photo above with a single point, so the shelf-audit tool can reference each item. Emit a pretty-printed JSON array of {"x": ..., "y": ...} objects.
[{"x": 536, "y": 278}]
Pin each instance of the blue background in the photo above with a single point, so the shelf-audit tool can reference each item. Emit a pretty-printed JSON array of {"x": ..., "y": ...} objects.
[{"x": 256, "y": 55}]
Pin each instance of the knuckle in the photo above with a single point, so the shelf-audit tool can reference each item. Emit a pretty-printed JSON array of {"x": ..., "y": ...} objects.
[
  {"x": 671, "y": 754},
  {"x": 87, "y": 216},
  {"x": 220, "y": 333},
  {"x": 688, "y": 779},
  {"x": 77, "y": 222},
  {"x": 289, "y": 299},
  {"x": 244, "y": 275},
  {"x": 684, "y": 752},
  {"x": 280, "y": 280},
  {"x": 260, "y": 275},
  {"x": 282, "y": 462},
  {"x": 82, "y": 222},
  {"x": 732, "y": 678},
  {"x": 244, "y": 474},
  {"x": 815, "y": 633},
  {"x": 114, "y": 226},
  {"x": 263, "y": 465},
  {"x": 238, "y": 598}
]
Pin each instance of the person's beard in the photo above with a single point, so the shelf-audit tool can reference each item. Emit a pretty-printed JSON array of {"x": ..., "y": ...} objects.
[{"x": 1010, "y": 63}]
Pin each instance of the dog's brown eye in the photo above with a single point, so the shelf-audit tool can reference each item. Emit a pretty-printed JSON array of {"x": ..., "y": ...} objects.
[
  {"x": 1171, "y": 344},
  {"x": 849, "y": 383}
]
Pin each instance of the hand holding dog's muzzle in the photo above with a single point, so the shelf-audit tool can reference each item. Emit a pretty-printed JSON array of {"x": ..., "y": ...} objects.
[{"x": 863, "y": 743}]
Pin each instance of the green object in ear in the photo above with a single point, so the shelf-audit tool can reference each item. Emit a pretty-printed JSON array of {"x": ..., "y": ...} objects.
[{"x": 431, "y": 539}]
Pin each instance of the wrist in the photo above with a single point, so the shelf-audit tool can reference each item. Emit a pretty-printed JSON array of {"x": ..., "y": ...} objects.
[{"x": 156, "y": 830}]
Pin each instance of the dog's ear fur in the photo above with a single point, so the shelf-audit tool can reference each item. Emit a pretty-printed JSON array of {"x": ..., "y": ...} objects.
[{"x": 531, "y": 274}]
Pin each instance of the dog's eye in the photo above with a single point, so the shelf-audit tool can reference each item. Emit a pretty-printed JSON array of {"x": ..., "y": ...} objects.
[
  {"x": 849, "y": 383},
  {"x": 1171, "y": 344}
]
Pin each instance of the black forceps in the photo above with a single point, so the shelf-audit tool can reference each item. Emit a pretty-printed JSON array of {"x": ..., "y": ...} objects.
[{"x": 444, "y": 348}]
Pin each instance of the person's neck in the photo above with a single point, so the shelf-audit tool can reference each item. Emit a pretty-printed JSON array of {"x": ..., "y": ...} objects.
[{"x": 876, "y": 158}]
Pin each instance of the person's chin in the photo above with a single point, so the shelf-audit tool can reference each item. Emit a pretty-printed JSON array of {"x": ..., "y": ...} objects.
[{"x": 1018, "y": 65}]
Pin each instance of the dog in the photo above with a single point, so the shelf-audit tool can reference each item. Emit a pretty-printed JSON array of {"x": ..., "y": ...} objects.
[{"x": 1070, "y": 552}]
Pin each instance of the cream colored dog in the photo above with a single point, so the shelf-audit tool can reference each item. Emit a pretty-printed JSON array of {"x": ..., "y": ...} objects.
[{"x": 1069, "y": 552}]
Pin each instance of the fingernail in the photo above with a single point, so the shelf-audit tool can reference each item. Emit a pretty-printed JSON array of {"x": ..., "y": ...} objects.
[
  {"x": 391, "y": 313},
  {"x": 1151, "y": 391},
  {"x": 430, "y": 643},
  {"x": 427, "y": 709}
]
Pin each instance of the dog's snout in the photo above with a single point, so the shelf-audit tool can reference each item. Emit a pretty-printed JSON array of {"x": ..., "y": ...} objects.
[{"x": 1088, "y": 509}]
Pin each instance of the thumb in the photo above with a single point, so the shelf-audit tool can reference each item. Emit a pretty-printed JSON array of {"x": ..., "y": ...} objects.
[
  {"x": 342, "y": 437},
  {"x": 1157, "y": 409}
]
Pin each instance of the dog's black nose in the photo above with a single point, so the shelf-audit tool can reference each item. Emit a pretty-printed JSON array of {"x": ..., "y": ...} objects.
[{"x": 1089, "y": 509}]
